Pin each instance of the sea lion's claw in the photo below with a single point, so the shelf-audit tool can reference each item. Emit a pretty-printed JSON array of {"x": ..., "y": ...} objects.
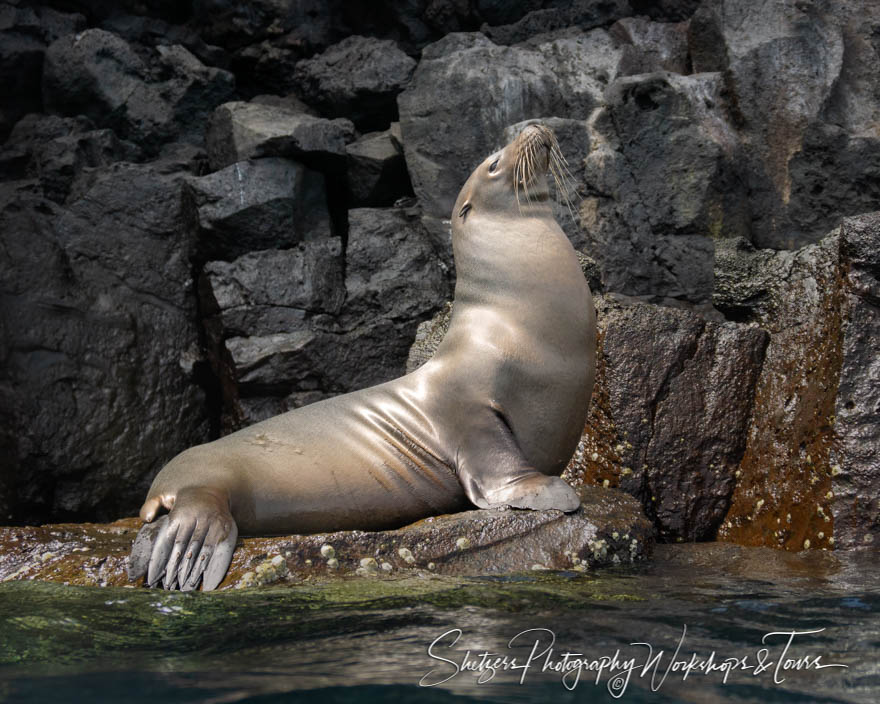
[
  {"x": 162, "y": 548},
  {"x": 191, "y": 555},
  {"x": 142, "y": 550},
  {"x": 219, "y": 563},
  {"x": 198, "y": 568},
  {"x": 181, "y": 542}
]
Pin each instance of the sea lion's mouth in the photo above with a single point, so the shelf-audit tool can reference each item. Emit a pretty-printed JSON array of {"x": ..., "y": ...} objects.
[{"x": 537, "y": 152}]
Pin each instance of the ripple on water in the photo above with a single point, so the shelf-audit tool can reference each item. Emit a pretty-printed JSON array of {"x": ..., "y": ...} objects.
[{"x": 366, "y": 639}]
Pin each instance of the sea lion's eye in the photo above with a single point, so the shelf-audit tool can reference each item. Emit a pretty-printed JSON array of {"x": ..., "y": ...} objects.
[{"x": 493, "y": 167}]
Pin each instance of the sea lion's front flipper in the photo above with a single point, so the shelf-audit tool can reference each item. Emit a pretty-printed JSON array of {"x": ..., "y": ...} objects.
[
  {"x": 494, "y": 472},
  {"x": 193, "y": 543}
]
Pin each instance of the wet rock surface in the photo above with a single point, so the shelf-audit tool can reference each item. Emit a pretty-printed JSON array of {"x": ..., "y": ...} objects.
[{"x": 609, "y": 529}]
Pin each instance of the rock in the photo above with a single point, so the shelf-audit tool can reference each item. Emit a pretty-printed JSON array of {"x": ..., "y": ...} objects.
[
  {"x": 100, "y": 343},
  {"x": 377, "y": 170},
  {"x": 280, "y": 333},
  {"x": 662, "y": 183},
  {"x": 585, "y": 14},
  {"x": 652, "y": 46},
  {"x": 155, "y": 32},
  {"x": 258, "y": 204},
  {"x": 99, "y": 75},
  {"x": 59, "y": 151},
  {"x": 781, "y": 63},
  {"x": 429, "y": 335},
  {"x": 24, "y": 34},
  {"x": 466, "y": 90},
  {"x": 855, "y": 453},
  {"x": 680, "y": 395},
  {"x": 391, "y": 273},
  {"x": 240, "y": 131},
  {"x": 608, "y": 530},
  {"x": 231, "y": 24},
  {"x": 358, "y": 78},
  {"x": 782, "y": 494},
  {"x": 307, "y": 278}
]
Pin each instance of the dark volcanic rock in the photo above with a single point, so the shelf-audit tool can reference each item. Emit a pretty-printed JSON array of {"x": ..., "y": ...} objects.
[
  {"x": 358, "y": 78},
  {"x": 100, "y": 344},
  {"x": 59, "y": 151},
  {"x": 281, "y": 334},
  {"x": 652, "y": 46},
  {"x": 377, "y": 170},
  {"x": 307, "y": 278},
  {"x": 24, "y": 34},
  {"x": 855, "y": 454},
  {"x": 804, "y": 81},
  {"x": 99, "y": 75},
  {"x": 391, "y": 273},
  {"x": 609, "y": 529},
  {"x": 152, "y": 31},
  {"x": 239, "y": 131},
  {"x": 662, "y": 182},
  {"x": 258, "y": 204},
  {"x": 680, "y": 392}
]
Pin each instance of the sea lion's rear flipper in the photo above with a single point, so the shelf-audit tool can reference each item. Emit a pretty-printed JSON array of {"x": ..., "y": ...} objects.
[
  {"x": 193, "y": 543},
  {"x": 493, "y": 471}
]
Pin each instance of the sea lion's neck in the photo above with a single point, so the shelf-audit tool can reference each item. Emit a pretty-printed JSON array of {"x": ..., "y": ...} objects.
[{"x": 512, "y": 257}]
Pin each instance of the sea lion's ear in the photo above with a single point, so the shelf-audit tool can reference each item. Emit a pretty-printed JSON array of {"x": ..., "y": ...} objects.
[{"x": 465, "y": 209}]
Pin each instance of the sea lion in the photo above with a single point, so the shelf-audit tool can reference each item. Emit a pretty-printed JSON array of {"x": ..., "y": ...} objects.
[{"x": 492, "y": 418}]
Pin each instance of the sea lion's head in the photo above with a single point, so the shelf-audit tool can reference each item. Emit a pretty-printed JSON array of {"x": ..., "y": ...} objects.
[{"x": 514, "y": 179}]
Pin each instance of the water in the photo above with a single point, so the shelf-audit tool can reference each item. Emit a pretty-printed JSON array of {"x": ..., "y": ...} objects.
[{"x": 367, "y": 640}]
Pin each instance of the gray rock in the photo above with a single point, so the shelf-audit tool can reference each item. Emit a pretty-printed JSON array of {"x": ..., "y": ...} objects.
[
  {"x": 358, "y": 78},
  {"x": 59, "y": 151},
  {"x": 391, "y": 272},
  {"x": 662, "y": 183},
  {"x": 377, "y": 170},
  {"x": 24, "y": 34},
  {"x": 154, "y": 32},
  {"x": 280, "y": 334},
  {"x": 99, "y": 75},
  {"x": 240, "y": 131},
  {"x": 100, "y": 344},
  {"x": 680, "y": 391},
  {"x": 855, "y": 454},
  {"x": 258, "y": 204},
  {"x": 307, "y": 278},
  {"x": 781, "y": 62},
  {"x": 585, "y": 14},
  {"x": 652, "y": 46}
]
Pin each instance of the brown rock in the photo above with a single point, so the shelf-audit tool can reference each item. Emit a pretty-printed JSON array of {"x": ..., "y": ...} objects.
[{"x": 608, "y": 529}]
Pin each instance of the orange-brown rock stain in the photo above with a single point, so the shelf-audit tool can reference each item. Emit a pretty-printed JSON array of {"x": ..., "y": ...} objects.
[
  {"x": 595, "y": 461},
  {"x": 783, "y": 493}
]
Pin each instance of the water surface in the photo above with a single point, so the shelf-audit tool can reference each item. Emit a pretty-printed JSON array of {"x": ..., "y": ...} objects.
[{"x": 367, "y": 640}]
